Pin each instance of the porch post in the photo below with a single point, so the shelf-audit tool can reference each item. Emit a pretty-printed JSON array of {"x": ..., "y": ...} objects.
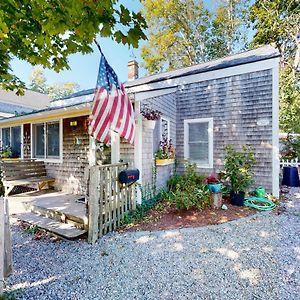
[
  {"x": 115, "y": 147},
  {"x": 138, "y": 147},
  {"x": 92, "y": 151}
]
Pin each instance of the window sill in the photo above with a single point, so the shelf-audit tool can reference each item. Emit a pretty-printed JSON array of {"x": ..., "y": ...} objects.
[{"x": 49, "y": 160}]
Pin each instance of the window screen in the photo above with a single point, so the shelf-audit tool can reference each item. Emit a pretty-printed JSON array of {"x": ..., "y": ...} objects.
[
  {"x": 16, "y": 141},
  {"x": 5, "y": 137},
  {"x": 53, "y": 139},
  {"x": 39, "y": 140},
  {"x": 198, "y": 142}
]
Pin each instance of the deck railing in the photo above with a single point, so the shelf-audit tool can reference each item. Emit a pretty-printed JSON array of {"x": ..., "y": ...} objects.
[{"x": 109, "y": 201}]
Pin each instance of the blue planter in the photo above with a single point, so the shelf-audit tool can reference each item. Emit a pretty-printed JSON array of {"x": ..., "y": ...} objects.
[{"x": 215, "y": 187}]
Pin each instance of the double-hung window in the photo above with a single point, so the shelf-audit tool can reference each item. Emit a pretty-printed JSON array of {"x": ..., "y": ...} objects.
[
  {"x": 198, "y": 141},
  {"x": 46, "y": 140},
  {"x": 11, "y": 137}
]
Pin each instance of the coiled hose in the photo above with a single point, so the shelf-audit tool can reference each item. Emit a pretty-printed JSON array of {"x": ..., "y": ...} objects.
[{"x": 262, "y": 204}]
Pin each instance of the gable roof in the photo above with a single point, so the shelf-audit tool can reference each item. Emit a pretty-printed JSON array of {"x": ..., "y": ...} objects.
[{"x": 246, "y": 57}]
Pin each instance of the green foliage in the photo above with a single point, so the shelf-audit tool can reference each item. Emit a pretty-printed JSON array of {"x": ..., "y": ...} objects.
[
  {"x": 57, "y": 90},
  {"x": 32, "y": 229},
  {"x": 289, "y": 113},
  {"x": 188, "y": 190},
  {"x": 238, "y": 167},
  {"x": 291, "y": 147},
  {"x": 8, "y": 296},
  {"x": 183, "y": 33},
  {"x": 278, "y": 22},
  {"x": 6, "y": 152},
  {"x": 141, "y": 210},
  {"x": 46, "y": 32}
]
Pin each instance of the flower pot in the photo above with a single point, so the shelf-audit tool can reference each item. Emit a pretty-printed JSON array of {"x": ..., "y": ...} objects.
[
  {"x": 237, "y": 198},
  {"x": 214, "y": 187},
  {"x": 150, "y": 124},
  {"x": 164, "y": 162}
]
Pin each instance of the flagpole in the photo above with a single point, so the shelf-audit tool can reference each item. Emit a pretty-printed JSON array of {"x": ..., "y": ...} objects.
[{"x": 99, "y": 47}]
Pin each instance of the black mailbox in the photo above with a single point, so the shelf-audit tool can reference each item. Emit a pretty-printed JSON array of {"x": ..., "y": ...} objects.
[{"x": 129, "y": 176}]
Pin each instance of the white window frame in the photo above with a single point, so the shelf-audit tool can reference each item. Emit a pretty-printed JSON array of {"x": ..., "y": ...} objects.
[
  {"x": 45, "y": 158},
  {"x": 160, "y": 127},
  {"x": 22, "y": 132},
  {"x": 210, "y": 141}
]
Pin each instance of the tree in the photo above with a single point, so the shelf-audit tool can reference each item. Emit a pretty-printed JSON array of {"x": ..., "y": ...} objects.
[
  {"x": 183, "y": 33},
  {"x": 178, "y": 34},
  {"x": 230, "y": 31},
  {"x": 38, "y": 83},
  {"x": 278, "y": 22},
  {"x": 46, "y": 32}
]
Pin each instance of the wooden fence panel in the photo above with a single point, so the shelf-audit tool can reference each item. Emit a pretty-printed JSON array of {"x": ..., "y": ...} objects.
[{"x": 109, "y": 201}]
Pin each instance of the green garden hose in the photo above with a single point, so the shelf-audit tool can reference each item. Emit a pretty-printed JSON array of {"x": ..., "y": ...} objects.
[{"x": 263, "y": 204}]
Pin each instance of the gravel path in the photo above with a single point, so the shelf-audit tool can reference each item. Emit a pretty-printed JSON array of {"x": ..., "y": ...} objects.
[{"x": 256, "y": 257}]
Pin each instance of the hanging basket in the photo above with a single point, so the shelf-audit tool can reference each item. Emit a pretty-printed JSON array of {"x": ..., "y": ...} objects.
[{"x": 150, "y": 124}]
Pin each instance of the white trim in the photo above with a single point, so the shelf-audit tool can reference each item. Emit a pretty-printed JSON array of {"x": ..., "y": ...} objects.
[
  {"x": 115, "y": 147},
  {"x": 275, "y": 130},
  {"x": 138, "y": 147},
  {"x": 33, "y": 136},
  {"x": 210, "y": 75},
  {"x": 210, "y": 164},
  {"x": 140, "y": 96}
]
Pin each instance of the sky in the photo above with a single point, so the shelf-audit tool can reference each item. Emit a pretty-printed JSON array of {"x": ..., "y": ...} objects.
[{"x": 84, "y": 68}]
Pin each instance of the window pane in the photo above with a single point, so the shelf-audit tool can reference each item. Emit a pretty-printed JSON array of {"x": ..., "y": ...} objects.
[
  {"x": 53, "y": 140},
  {"x": 198, "y": 132},
  {"x": 16, "y": 141},
  {"x": 199, "y": 152},
  {"x": 164, "y": 129},
  {"x": 39, "y": 140},
  {"x": 5, "y": 137}
]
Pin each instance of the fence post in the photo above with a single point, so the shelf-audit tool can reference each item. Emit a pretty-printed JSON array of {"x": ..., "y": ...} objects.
[
  {"x": 5, "y": 243},
  {"x": 94, "y": 204}
]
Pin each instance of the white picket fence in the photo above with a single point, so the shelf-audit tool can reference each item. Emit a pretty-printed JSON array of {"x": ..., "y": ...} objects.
[{"x": 289, "y": 163}]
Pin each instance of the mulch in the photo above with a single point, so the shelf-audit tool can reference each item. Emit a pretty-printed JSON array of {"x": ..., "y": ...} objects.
[{"x": 166, "y": 216}]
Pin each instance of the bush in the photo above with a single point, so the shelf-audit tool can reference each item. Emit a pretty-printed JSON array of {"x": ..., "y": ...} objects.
[
  {"x": 238, "y": 167},
  {"x": 188, "y": 190}
]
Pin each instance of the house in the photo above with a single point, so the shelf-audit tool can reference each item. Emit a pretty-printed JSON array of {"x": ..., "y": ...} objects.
[
  {"x": 12, "y": 105},
  {"x": 233, "y": 100}
]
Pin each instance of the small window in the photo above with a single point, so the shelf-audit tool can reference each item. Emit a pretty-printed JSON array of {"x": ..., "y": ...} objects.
[
  {"x": 46, "y": 140},
  {"x": 165, "y": 128},
  {"x": 198, "y": 137},
  {"x": 11, "y": 137}
]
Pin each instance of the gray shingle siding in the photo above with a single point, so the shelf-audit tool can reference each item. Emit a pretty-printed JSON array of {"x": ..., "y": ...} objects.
[{"x": 235, "y": 103}]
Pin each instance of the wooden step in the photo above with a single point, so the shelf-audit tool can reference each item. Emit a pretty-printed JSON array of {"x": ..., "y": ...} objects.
[
  {"x": 61, "y": 229},
  {"x": 67, "y": 212}
]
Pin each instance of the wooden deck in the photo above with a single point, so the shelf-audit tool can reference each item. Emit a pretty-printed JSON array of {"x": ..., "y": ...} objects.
[{"x": 56, "y": 212}]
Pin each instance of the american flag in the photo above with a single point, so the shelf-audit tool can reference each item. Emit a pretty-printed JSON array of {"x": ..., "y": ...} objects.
[{"x": 112, "y": 108}]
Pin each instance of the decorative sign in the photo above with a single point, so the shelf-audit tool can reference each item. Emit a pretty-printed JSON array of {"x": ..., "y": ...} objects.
[{"x": 263, "y": 122}]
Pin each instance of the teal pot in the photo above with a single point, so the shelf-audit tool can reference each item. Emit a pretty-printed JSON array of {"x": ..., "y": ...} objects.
[
  {"x": 215, "y": 187},
  {"x": 237, "y": 198}
]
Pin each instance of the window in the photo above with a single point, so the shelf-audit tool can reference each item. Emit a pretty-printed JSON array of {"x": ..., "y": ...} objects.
[
  {"x": 46, "y": 140},
  {"x": 165, "y": 128},
  {"x": 198, "y": 141},
  {"x": 11, "y": 137}
]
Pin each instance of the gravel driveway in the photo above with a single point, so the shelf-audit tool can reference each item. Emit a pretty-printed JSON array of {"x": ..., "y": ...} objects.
[{"x": 256, "y": 257}]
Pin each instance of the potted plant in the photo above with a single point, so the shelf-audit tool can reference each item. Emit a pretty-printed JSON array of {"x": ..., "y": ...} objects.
[
  {"x": 166, "y": 153},
  {"x": 6, "y": 153},
  {"x": 213, "y": 184},
  {"x": 150, "y": 116},
  {"x": 238, "y": 167}
]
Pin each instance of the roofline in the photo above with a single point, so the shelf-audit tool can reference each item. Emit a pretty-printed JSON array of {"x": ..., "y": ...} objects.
[{"x": 44, "y": 115}]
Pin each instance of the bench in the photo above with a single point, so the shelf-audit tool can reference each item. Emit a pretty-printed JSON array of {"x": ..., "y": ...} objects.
[{"x": 24, "y": 173}]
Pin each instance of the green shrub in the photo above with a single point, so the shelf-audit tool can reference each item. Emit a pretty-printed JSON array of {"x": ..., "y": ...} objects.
[
  {"x": 238, "y": 167},
  {"x": 188, "y": 190}
]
